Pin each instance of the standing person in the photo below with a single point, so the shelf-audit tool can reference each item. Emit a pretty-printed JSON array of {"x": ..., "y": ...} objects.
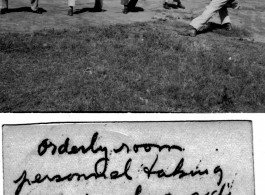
[
  {"x": 128, "y": 6},
  {"x": 34, "y": 6},
  {"x": 166, "y": 4},
  {"x": 215, "y": 6},
  {"x": 97, "y": 7}
]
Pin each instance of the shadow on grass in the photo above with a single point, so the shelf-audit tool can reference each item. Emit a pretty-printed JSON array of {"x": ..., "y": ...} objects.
[
  {"x": 87, "y": 9},
  {"x": 219, "y": 29},
  {"x": 235, "y": 32},
  {"x": 23, "y": 9}
]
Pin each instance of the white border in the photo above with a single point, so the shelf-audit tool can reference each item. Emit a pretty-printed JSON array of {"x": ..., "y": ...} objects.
[{"x": 257, "y": 119}]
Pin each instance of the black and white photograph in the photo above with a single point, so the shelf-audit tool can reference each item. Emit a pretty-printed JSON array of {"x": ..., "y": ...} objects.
[{"x": 173, "y": 56}]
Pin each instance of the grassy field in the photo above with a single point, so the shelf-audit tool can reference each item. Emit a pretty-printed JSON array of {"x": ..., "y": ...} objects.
[{"x": 141, "y": 67}]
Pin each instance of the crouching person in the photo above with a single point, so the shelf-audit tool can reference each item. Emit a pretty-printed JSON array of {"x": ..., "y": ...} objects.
[
  {"x": 219, "y": 6},
  {"x": 97, "y": 7},
  {"x": 34, "y": 7},
  {"x": 128, "y": 5}
]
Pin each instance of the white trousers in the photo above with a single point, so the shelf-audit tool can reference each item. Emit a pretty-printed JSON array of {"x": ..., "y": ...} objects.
[
  {"x": 98, "y": 3},
  {"x": 214, "y": 6},
  {"x": 34, "y": 4}
]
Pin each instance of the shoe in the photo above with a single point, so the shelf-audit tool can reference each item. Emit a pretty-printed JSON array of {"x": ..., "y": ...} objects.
[
  {"x": 70, "y": 12},
  {"x": 181, "y": 6},
  {"x": 3, "y": 11},
  {"x": 135, "y": 9},
  {"x": 206, "y": 27},
  {"x": 191, "y": 32},
  {"x": 227, "y": 26},
  {"x": 37, "y": 11},
  {"x": 166, "y": 6},
  {"x": 97, "y": 9},
  {"x": 233, "y": 5},
  {"x": 126, "y": 10}
]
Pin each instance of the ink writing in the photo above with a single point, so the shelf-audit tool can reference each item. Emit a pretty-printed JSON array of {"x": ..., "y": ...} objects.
[{"x": 126, "y": 167}]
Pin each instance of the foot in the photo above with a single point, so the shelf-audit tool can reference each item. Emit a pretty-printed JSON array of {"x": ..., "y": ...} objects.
[
  {"x": 191, "y": 32},
  {"x": 166, "y": 6},
  {"x": 135, "y": 9},
  {"x": 227, "y": 26},
  {"x": 206, "y": 27},
  {"x": 70, "y": 12},
  {"x": 233, "y": 5},
  {"x": 3, "y": 11},
  {"x": 126, "y": 10},
  {"x": 97, "y": 9},
  {"x": 37, "y": 11},
  {"x": 181, "y": 6}
]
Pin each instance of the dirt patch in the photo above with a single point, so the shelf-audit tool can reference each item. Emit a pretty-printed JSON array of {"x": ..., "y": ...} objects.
[{"x": 251, "y": 17}]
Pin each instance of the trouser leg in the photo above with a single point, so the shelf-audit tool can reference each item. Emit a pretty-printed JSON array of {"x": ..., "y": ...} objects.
[
  {"x": 71, "y": 3},
  {"x": 214, "y": 6},
  {"x": 3, "y": 4},
  {"x": 99, "y": 4},
  {"x": 124, "y": 2},
  {"x": 34, "y": 4},
  {"x": 224, "y": 16},
  {"x": 132, "y": 3}
]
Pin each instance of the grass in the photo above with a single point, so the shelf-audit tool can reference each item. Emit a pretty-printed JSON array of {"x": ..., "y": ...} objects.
[
  {"x": 235, "y": 32},
  {"x": 141, "y": 67}
]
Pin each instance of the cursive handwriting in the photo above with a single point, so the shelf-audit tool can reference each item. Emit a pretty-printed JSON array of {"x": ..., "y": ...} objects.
[
  {"x": 178, "y": 171},
  {"x": 48, "y": 147},
  {"x": 64, "y": 148}
]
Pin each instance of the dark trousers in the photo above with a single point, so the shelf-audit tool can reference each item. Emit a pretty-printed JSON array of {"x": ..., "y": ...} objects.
[{"x": 131, "y": 3}]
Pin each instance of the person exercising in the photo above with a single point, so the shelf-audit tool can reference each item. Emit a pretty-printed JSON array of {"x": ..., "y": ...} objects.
[{"x": 219, "y": 6}]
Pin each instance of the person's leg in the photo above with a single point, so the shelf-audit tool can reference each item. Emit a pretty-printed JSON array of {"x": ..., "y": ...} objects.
[
  {"x": 179, "y": 4},
  {"x": 225, "y": 19},
  {"x": 98, "y": 5},
  {"x": 132, "y": 4},
  {"x": 166, "y": 6},
  {"x": 125, "y": 3},
  {"x": 3, "y": 6},
  {"x": 233, "y": 4},
  {"x": 223, "y": 13},
  {"x": 34, "y": 6},
  {"x": 214, "y": 6},
  {"x": 71, "y": 4}
]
